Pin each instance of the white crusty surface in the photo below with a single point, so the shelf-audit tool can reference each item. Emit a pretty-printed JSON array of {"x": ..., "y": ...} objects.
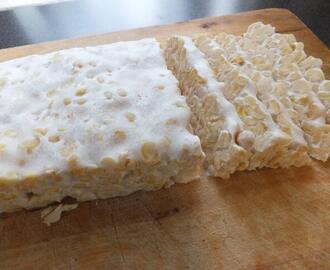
[
  {"x": 198, "y": 61},
  {"x": 89, "y": 103}
]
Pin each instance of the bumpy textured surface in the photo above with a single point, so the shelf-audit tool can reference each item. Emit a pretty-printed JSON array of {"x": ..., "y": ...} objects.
[
  {"x": 296, "y": 79},
  {"x": 251, "y": 58},
  {"x": 92, "y": 123},
  {"x": 214, "y": 119},
  {"x": 271, "y": 145},
  {"x": 290, "y": 85}
]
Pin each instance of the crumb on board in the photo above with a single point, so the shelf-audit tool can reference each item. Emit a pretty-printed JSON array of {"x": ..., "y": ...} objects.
[{"x": 52, "y": 214}]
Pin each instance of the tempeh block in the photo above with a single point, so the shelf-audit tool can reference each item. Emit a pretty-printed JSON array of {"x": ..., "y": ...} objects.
[{"x": 92, "y": 123}]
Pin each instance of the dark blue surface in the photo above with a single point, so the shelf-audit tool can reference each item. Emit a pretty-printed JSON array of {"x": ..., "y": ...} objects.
[{"x": 78, "y": 18}]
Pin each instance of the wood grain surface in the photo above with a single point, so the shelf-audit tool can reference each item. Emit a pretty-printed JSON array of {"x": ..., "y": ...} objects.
[{"x": 268, "y": 219}]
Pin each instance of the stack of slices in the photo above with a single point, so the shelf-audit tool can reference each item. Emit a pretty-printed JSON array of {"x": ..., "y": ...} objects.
[{"x": 106, "y": 121}]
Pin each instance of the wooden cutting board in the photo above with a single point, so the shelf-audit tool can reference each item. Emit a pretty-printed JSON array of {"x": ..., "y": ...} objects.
[{"x": 267, "y": 219}]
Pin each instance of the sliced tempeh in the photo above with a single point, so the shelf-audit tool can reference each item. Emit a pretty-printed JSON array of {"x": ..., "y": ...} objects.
[
  {"x": 227, "y": 55},
  {"x": 273, "y": 146},
  {"x": 280, "y": 70},
  {"x": 296, "y": 79},
  {"x": 258, "y": 135},
  {"x": 214, "y": 119}
]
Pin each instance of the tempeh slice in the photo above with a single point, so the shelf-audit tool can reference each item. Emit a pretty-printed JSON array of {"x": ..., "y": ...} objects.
[
  {"x": 214, "y": 119},
  {"x": 232, "y": 66},
  {"x": 272, "y": 147}
]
